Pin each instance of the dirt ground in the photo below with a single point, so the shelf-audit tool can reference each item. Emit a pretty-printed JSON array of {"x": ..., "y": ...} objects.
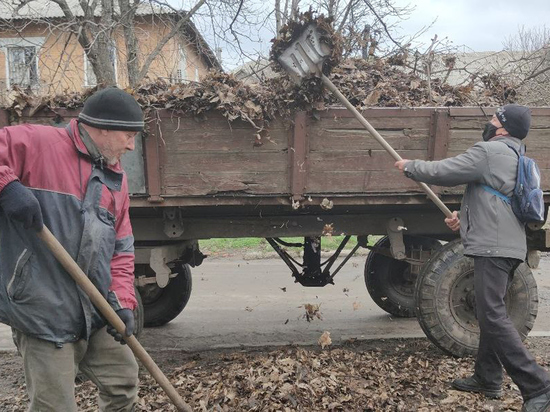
[{"x": 376, "y": 375}]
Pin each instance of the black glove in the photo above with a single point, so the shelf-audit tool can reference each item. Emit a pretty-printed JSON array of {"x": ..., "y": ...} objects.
[
  {"x": 18, "y": 203},
  {"x": 127, "y": 317}
]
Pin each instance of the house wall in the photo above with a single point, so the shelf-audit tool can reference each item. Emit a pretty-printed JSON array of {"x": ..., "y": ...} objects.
[{"x": 61, "y": 62}]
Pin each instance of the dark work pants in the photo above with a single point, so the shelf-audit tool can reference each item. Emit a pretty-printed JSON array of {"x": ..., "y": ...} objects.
[{"x": 500, "y": 343}]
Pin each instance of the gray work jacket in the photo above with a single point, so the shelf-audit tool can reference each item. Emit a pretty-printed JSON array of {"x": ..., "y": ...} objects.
[{"x": 488, "y": 226}]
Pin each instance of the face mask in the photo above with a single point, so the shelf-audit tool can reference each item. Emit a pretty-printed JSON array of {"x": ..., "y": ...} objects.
[{"x": 489, "y": 132}]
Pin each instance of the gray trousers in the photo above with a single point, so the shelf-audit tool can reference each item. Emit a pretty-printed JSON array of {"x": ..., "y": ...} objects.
[
  {"x": 500, "y": 344},
  {"x": 50, "y": 372}
]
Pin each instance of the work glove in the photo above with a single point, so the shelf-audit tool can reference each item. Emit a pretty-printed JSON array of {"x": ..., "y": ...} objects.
[
  {"x": 18, "y": 203},
  {"x": 127, "y": 316}
]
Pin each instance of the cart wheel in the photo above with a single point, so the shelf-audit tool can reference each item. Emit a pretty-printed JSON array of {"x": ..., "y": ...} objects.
[
  {"x": 445, "y": 299},
  {"x": 161, "y": 305},
  {"x": 390, "y": 282}
]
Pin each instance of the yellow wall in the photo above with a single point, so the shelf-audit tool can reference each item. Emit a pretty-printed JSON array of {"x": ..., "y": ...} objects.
[{"x": 61, "y": 59}]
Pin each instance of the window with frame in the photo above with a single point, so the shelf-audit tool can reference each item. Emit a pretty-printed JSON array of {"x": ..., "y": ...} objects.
[
  {"x": 23, "y": 66},
  {"x": 181, "y": 72}
]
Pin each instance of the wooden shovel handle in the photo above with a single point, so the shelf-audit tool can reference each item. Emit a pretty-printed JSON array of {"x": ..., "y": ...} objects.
[
  {"x": 110, "y": 315},
  {"x": 383, "y": 142}
]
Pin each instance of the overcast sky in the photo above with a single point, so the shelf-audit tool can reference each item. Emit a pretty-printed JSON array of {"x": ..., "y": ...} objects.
[{"x": 481, "y": 25}]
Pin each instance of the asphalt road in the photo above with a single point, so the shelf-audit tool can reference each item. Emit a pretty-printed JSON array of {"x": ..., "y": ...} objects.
[{"x": 256, "y": 303}]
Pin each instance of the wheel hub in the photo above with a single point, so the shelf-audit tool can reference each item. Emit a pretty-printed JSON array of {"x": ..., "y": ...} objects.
[
  {"x": 462, "y": 301},
  {"x": 150, "y": 293},
  {"x": 403, "y": 282}
]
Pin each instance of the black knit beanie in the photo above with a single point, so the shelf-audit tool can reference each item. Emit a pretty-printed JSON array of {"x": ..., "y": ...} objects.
[
  {"x": 515, "y": 119},
  {"x": 112, "y": 109}
]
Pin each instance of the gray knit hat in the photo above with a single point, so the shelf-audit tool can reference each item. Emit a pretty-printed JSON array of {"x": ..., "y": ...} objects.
[
  {"x": 112, "y": 109},
  {"x": 515, "y": 119}
]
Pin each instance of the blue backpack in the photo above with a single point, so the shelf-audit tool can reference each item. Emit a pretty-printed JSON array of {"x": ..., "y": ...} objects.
[{"x": 527, "y": 199}]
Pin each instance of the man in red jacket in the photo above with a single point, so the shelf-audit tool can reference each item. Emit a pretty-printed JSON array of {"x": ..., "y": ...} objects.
[{"x": 71, "y": 181}]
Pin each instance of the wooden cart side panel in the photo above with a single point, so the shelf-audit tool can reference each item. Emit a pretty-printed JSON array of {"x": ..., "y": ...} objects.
[
  {"x": 345, "y": 158},
  {"x": 205, "y": 158},
  {"x": 298, "y": 167},
  {"x": 328, "y": 183},
  {"x": 216, "y": 157},
  {"x": 153, "y": 151}
]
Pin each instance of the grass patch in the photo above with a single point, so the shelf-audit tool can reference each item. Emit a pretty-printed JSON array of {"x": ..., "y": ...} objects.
[{"x": 328, "y": 243}]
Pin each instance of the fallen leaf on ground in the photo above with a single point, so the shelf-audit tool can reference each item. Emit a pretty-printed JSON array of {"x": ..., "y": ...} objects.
[
  {"x": 325, "y": 340},
  {"x": 312, "y": 311}
]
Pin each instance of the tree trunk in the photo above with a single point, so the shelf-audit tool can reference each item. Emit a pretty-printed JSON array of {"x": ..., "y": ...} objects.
[
  {"x": 132, "y": 64},
  {"x": 106, "y": 51}
]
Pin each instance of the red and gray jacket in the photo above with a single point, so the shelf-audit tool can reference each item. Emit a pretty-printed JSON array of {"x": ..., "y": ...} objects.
[{"x": 86, "y": 208}]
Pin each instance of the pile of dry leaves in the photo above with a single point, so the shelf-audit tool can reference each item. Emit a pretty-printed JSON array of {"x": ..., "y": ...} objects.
[
  {"x": 365, "y": 83},
  {"x": 393, "y": 375}
]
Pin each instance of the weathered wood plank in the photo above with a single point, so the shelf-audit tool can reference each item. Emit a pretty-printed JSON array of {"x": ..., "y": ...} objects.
[
  {"x": 391, "y": 181},
  {"x": 438, "y": 143},
  {"x": 479, "y": 112},
  {"x": 541, "y": 157},
  {"x": 379, "y": 112},
  {"x": 382, "y": 123},
  {"x": 360, "y": 139},
  {"x": 538, "y": 139},
  {"x": 537, "y": 122},
  {"x": 297, "y": 156},
  {"x": 48, "y": 121},
  {"x": 225, "y": 141},
  {"x": 202, "y": 119},
  {"x": 183, "y": 162},
  {"x": 220, "y": 136},
  {"x": 208, "y": 183},
  {"x": 358, "y": 160}
]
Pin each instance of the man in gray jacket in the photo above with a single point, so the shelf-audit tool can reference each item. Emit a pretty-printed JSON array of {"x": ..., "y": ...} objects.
[{"x": 495, "y": 238}]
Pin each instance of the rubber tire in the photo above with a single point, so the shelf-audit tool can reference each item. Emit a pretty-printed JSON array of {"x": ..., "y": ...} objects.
[
  {"x": 446, "y": 321},
  {"x": 382, "y": 273},
  {"x": 170, "y": 301}
]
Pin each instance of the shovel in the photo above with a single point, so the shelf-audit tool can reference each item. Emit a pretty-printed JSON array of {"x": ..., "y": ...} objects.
[
  {"x": 305, "y": 56},
  {"x": 108, "y": 312}
]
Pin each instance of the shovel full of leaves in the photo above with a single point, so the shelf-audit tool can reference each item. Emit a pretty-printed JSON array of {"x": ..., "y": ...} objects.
[{"x": 309, "y": 48}]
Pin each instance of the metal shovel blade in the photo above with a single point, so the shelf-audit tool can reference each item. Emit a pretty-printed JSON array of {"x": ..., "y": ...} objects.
[{"x": 306, "y": 55}]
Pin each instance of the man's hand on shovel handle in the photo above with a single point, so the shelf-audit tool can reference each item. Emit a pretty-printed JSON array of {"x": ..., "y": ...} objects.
[
  {"x": 453, "y": 222},
  {"x": 400, "y": 164},
  {"x": 127, "y": 316}
]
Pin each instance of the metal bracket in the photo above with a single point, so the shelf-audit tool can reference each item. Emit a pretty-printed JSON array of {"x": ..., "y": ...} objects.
[
  {"x": 395, "y": 227},
  {"x": 173, "y": 225},
  {"x": 313, "y": 273},
  {"x": 533, "y": 259},
  {"x": 158, "y": 258}
]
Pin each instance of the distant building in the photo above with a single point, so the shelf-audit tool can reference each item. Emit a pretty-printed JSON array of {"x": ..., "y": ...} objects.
[
  {"x": 254, "y": 71},
  {"x": 38, "y": 52}
]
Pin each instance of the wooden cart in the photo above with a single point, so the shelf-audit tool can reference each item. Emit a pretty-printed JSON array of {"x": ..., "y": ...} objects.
[{"x": 195, "y": 178}]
